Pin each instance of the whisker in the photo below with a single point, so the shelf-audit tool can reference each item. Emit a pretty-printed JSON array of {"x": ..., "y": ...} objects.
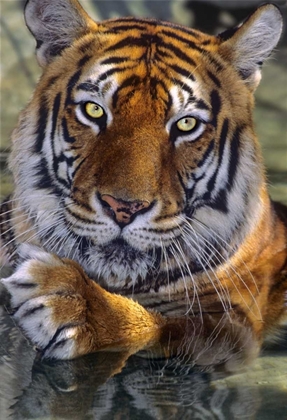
[
  {"x": 228, "y": 245},
  {"x": 201, "y": 254},
  {"x": 195, "y": 292},
  {"x": 165, "y": 258},
  {"x": 228, "y": 263}
]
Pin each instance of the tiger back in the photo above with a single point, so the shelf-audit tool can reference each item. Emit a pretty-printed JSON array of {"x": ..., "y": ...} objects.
[{"x": 140, "y": 217}]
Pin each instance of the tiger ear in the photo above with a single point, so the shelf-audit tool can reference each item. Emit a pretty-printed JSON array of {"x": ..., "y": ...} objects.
[
  {"x": 55, "y": 24},
  {"x": 250, "y": 44}
]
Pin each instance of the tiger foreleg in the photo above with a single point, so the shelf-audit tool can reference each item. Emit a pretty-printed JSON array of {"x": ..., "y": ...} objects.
[{"x": 66, "y": 315}]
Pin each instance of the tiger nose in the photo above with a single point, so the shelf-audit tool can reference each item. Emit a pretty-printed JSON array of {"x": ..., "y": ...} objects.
[{"x": 122, "y": 211}]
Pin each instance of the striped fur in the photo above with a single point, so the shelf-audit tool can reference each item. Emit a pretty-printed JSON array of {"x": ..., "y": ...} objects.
[{"x": 193, "y": 232}]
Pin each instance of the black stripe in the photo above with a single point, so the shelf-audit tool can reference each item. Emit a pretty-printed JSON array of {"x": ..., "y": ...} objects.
[
  {"x": 55, "y": 113},
  {"x": 182, "y": 71},
  {"x": 185, "y": 87},
  {"x": 174, "y": 275},
  {"x": 222, "y": 142},
  {"x": 31, "y": 311},
  {"x": 201, "y": 104},
  {"x": 125, "y": 27},
  {"x": 56, "y": 162},
  {"x": 161, "y": 66},
  {"x": 53, "y": 341},
  {"x": 179, "y": 54},
  {"x": 114, "y": 60},
  {"x": 234, "y": 157},
  {"x": 82, "y": 219},
  {"x": 41, "y": 125},
  {"x": 133, "y": 20},
  {"x": 61, "y": 158},
  {"x": 108, "y": 73},
  {"x": 70, "y": 160},
  {"x": 188, "y": 195},
  {"x": 180, "y": 38},
  {"x": 84, "y": 60},
  {"x": 182, "y": 29},
  {"x": 83, "y": 48},
  {"x": 42, "y": 176},
  {"x": 66, "y": 135},
  {"x": 78, "y": 167},
  {"x": 214, "y": 78},
  {"x": 215, "y": 106},
  {"x": 219, "y": 66},
  {"x": 88, "y": 87},
  {"x": 219, "y": 203},
  {"x": 162, "y": 54},
  {"x": 207, "y": 153},
  {"x": 71, "y": 83},
  {"x": 129, "y": 41},
  {"x": 26, "y": 285},
  {"x": 52, "y": 81},
  {"x": 206, "y": 42},
  {"x": 154, "y": 83},
  {"x": 131, "y": 81}
]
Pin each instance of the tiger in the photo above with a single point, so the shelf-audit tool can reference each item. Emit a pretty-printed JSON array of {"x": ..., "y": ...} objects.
[{"x": 140, "y": 220}]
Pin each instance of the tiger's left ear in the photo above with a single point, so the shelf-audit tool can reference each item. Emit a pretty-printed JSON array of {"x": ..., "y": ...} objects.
[
  {"x": 250, "y": 44},
  {"x": 55, "y": 24}
]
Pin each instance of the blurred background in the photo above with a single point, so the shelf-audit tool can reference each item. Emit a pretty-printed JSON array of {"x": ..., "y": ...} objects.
[{"x": 20, "y": 72}]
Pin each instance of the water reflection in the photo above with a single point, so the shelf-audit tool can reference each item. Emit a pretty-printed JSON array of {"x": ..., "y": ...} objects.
[{"x": 143, "y": 389}]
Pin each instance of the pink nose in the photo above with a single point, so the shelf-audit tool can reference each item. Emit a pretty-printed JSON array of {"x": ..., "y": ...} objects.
[{"x": 122, "y": 210}]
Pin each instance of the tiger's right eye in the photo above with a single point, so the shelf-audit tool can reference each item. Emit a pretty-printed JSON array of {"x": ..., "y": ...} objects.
[
  {"x": 93, "y": 110},
  {"x": 186, "y": 124}
]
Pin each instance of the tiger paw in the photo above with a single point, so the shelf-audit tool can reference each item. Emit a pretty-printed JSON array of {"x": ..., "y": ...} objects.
[{"x": 47, "y": 295}]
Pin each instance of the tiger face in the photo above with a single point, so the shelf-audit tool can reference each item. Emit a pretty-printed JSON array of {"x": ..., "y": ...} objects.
[{"x": 141, "y": 161}]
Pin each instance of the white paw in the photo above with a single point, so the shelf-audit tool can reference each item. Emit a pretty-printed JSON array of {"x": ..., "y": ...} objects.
[
  {"x": 53, "y": 339},
  {"x": 63, "y": 345},
  {"x": 35, "y": 319},
  {"x": 22, "y": 284},
  {"x": 46, "y": 303}
]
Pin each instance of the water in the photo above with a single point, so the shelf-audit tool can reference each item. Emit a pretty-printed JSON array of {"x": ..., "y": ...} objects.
[{"x": 99, "y": 386}]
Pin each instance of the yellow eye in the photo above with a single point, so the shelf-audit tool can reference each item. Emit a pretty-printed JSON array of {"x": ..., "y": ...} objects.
[
  {"x": 94, "y": 110},
  {"x": 186, "y": 124}
]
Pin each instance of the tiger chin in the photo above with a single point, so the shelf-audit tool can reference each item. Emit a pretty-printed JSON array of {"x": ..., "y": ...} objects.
[{"x": 140, "y": 217}]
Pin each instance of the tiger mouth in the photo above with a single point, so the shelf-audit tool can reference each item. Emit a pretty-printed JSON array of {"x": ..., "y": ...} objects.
[
  {"x": 119, "y": 248},
  {"x": 118, "y": 264}
]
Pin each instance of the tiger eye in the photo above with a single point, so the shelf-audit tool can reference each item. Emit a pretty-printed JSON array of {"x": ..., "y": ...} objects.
[
  {"x": 94, "y": 110},
  {"x": 186, "y": 124}
]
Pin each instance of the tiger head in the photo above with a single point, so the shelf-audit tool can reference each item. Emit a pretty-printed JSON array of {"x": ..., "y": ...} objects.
[{"x": 137, "y": 155}]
